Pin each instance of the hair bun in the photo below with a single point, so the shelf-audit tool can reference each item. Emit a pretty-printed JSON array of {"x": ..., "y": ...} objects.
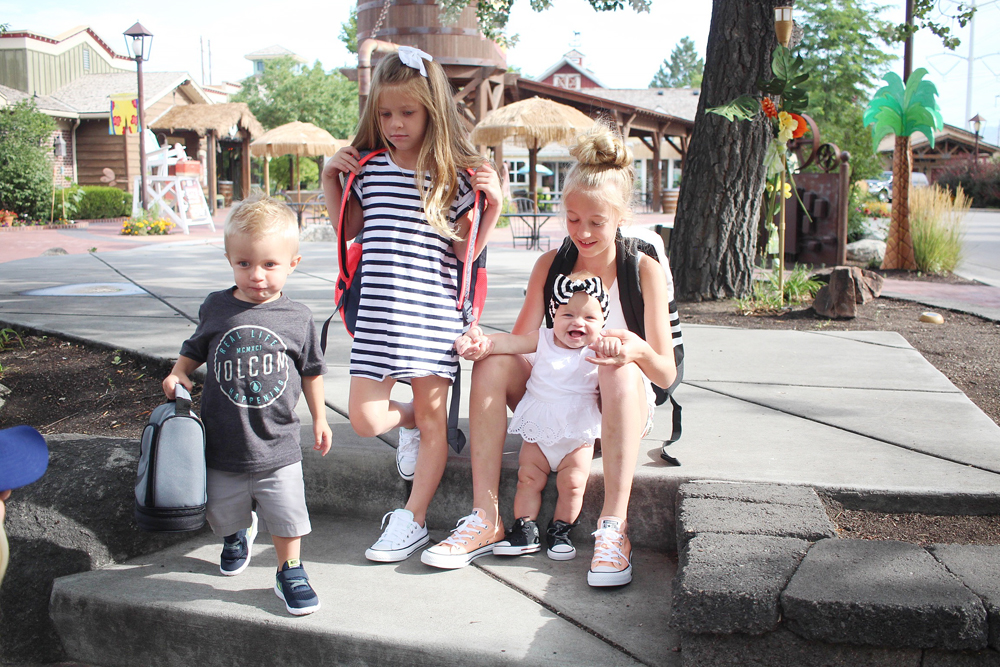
[{"x": 602, "y": 146}]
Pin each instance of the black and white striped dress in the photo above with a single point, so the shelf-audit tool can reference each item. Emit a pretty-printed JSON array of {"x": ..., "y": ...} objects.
[{"x": 408, "y": 318}]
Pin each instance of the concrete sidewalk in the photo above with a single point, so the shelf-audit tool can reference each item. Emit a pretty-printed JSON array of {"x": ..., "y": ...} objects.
[{"x": 861, "y": 415}]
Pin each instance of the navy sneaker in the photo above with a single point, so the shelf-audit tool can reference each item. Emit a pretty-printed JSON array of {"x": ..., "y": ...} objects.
[
  {"x": 237, "y": 548},
  {"x": 557, "y": 537},
  {"x": 522, "y": 538},
  {"x": 292, "y": 585}
]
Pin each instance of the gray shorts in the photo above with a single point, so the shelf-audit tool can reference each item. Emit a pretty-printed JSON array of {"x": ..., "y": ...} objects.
[{"x": 280, "y": 496}]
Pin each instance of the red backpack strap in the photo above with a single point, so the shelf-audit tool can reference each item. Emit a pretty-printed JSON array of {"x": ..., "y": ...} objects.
[
  {"x": 470, "y": 251},
  {"x": 341, "y": 237}
]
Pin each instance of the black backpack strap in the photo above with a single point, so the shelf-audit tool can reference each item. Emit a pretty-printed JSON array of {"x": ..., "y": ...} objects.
[
  {"x": 182, "y": 401},
  {"x": 455, "y": 436},
  {"x": 562, "y": 263},
  {"x": 629, "y": 285},
  {"x": 630, "y": 293}
]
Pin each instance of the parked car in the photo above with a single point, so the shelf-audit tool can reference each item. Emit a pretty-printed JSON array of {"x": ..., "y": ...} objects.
[
  {"x": 883, "y": 190},
  {"x": 879, "y": 187}
]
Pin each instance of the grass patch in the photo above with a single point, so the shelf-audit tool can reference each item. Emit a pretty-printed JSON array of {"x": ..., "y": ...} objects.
[
  {"x": 766, "y": 298},
  {"x": 937, "y": 228}
]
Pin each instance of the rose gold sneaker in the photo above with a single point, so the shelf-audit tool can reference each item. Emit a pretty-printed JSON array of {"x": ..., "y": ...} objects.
[
  {"x": 473, "y": 537},
  {"x": 611, "y": 565}
]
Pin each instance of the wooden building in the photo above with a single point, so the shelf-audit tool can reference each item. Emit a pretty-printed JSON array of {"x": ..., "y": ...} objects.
[
  {"x": 952, "y": 145},
  {"x": 222, "y": 134},
  {"x": 71, "y": 78},
  {"x": 569, "y": 73},
  {"x": 40, "y": 65}
]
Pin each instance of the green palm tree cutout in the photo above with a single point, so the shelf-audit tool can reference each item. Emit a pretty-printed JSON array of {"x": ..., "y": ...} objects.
[{"x": 903, "y": 110}]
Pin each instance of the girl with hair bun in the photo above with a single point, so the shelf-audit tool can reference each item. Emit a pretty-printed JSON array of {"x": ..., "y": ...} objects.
[{"x": 597, "y": 202}]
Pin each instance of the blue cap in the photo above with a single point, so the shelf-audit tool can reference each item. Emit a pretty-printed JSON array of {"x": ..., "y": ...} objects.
[{"x": 24, "y": 456}]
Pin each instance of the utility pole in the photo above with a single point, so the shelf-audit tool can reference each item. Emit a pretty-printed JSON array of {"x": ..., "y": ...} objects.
[{"x": 972, "y": 60}]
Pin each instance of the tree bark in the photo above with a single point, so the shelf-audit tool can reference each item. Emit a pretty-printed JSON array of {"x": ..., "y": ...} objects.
[
  {"x": 899, "y": 244},
  {"x": 712, "y": 244}
]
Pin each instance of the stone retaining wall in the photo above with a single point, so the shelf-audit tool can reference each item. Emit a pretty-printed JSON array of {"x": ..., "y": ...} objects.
[{"x": 763, "y": 580}]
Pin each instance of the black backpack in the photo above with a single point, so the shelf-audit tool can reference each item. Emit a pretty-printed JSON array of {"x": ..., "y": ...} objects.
[
  {"x": 633, "y": 309},
  {"x": 471, "y": 299}
]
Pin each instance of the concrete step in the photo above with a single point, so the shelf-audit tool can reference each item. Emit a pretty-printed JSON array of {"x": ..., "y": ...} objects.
[
  {"x": 358, "y": 478},
  {"x": 174, "y": 608}
]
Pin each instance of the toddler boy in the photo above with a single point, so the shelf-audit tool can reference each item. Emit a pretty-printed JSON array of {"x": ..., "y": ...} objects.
[{"x": 263, "y": 352}]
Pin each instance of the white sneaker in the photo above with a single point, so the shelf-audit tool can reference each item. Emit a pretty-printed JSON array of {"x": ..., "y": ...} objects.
[
  {"x": 406, "y": 452},
  {"x": 400, "y": 538}
]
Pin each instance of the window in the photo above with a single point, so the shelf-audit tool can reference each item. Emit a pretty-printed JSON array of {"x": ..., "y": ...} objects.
[
  {"x": 514, "y": 166},
  {"x": 86, "y": 59},
  {"x": 567, "y": 81}
]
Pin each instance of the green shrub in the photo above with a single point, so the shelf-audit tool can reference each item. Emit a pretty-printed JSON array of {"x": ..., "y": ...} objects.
[
  {"x": 980, "y": 183},
  {"x": 99, "y": 201},
  {"x": 25, "y": 169},
  {"x": 937, "y": 229},
  {"x": 855, "y": 214}
]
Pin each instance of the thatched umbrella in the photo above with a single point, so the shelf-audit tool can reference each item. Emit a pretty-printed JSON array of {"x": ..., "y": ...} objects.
[
  {"x": 214, "y": 121},
  {"x": 297, "y": 139},
  {"x": 531, "y": 123}
]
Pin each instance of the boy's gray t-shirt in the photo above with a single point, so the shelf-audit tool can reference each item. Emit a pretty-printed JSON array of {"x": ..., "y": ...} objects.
[{"x": 256, "y": 356}]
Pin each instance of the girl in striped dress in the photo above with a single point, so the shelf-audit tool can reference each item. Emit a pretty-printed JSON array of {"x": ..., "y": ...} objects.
[{"x": 411, "y": 207}]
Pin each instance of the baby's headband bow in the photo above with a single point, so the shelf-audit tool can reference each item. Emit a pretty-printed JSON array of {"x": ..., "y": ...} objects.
[
  {"x": 413, "y": 57},
  {"x": 564, "y": 288}
]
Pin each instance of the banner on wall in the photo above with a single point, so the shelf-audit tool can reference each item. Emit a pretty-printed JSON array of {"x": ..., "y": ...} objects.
[{"x": 124, "y": 114}]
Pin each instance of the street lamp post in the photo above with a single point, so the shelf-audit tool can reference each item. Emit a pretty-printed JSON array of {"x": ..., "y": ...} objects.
[
  {"x": 139, "y": 41},
  {"x": 977, "y": 124}
]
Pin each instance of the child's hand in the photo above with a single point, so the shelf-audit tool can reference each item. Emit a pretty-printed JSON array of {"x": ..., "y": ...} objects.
[
  {"x": 607, "y": 347},
  {"x": 172, "y": 380},
  {"x": 345, "y": 160},
  {"x": 620, "y": 346},
  {"x": 324, "y": 437},
  {"x": 487, "y": 181},
  {"x": 473, "y": 345}
]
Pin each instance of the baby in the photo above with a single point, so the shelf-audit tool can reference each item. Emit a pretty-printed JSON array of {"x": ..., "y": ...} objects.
[{"x": 559, "y": 416}]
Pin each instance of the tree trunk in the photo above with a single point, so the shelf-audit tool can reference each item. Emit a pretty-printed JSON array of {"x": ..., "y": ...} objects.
[
  {"x": 899, "y": 244},
  {"x": 712, "y": 244}
]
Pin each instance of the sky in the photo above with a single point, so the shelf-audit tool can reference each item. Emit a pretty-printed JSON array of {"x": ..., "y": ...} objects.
[{"x": 623, "y": 49}]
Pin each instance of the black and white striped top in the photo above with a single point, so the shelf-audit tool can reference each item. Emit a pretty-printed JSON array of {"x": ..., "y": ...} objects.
[{"x": 408, "y": 317}]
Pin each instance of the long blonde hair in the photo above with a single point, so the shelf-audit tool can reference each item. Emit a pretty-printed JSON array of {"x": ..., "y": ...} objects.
[
  {"x": 603, "y": 158},
  {"x": 446, "y": 148}
]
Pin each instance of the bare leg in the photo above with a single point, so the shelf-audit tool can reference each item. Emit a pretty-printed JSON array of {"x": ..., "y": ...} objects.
[
  {"x": 371, "y": 410},
  {"x": 532, "y": 474},
  {"x": 624, "y": 412},
  {"x": 497, "y": 381},
  {"x": 571, "y": 480},
  {"x": 286, "y": 548},
  {"x": 430, "y": 396}
]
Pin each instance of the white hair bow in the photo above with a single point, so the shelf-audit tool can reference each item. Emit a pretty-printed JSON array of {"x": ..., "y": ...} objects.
[{"x": 413, "y": 57}]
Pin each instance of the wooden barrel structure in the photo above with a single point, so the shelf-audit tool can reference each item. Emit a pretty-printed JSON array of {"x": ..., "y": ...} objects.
[
  {"x": 670, "y": 200},
  {"x": 417, "y": 23}
]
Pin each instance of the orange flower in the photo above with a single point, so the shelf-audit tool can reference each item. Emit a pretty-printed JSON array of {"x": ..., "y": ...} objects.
[
  {"x": 769, "y": 109},
  {"x": 801, "y": 128}
]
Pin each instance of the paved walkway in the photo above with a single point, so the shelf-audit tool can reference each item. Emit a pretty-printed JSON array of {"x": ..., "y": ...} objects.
[{"x": 861, "y": 415}]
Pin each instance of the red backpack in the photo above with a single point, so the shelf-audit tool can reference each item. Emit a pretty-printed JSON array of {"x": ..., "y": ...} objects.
[{"x": 471, "y": 295}]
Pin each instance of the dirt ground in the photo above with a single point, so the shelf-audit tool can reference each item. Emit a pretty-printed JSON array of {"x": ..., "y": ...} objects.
[{"x": 59, "y": 386}]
